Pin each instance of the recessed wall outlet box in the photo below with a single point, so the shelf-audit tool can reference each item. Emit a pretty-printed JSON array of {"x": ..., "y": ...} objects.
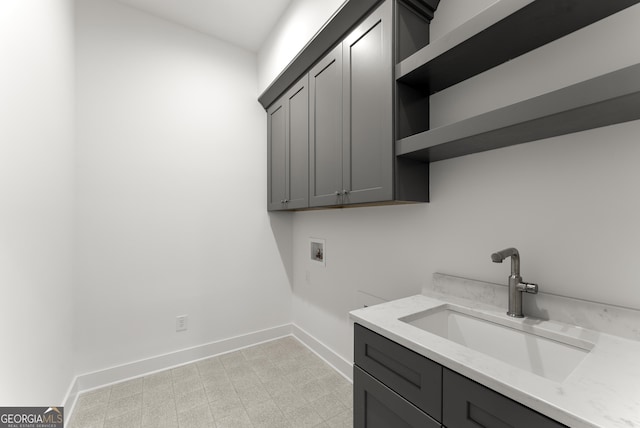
[
  {"x": 318, "y": 251},
  {"x": 182, "y": 322}
]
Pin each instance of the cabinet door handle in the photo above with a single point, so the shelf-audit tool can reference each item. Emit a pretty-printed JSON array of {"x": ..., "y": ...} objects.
[
  {"x": 345, "y": 192},
  {"x": 338, "y": 193}
]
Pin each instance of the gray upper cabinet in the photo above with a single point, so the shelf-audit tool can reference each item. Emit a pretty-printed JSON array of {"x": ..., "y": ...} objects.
[
  {"x": 351, "y": 102},
  {"x": 288, "y": 149},
  {"x": 325, "y": 142}
]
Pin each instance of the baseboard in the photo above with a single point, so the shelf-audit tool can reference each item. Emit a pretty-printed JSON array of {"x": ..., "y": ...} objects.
[
  {"x": 109, "y": 376},
  {"x": 341, "y": 365},
  {"x": 70, "y": 399}
]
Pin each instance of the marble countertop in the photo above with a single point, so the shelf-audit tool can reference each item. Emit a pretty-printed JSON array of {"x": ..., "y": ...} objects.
[{"x": 602, "y": 391}]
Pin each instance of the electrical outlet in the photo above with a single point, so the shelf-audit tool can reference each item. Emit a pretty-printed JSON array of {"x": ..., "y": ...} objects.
[{"x": 182, "y": 322}]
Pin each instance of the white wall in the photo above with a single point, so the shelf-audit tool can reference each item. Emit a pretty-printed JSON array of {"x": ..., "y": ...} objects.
[
  {"x": 172, "y": 190},
  {"x": 36, "y": 201},
  {"x": 570, "y": 204},
  {"x": 298, "y": 24}
]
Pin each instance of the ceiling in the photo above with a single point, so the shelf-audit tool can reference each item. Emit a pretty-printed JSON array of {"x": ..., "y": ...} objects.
[{"x": 245, "y": 23}]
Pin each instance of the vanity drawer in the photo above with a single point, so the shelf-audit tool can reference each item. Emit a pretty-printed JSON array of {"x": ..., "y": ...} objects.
[
  {"x": 376, "y": 406},
  {"x": 468, "y": 404},
  {"x": 414, "y": 377}
]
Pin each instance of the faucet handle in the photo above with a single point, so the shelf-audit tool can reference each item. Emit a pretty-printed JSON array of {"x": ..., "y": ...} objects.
[{"x": 528, "y": 287}]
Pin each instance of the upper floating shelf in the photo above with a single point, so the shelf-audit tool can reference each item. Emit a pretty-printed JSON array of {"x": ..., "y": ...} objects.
[
  {"x": 505, "y": 30},
  {"x": 605, "y": 100}
]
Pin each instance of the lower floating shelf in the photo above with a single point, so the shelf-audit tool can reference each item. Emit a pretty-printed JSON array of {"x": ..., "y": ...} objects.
[{"x": 605, "y": 100}]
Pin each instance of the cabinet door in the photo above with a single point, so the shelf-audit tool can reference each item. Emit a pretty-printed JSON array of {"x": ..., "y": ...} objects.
[
  {"x": 467, "y": 404},
  {"x": 368, "y": 109},
  {"x": 376, "y": 406},
  {"x": 297, "y": 130},
  {"x": 325, "y": 122},
  {"x": 288, "y": 149},
  {"x": 277, "y": 156}
]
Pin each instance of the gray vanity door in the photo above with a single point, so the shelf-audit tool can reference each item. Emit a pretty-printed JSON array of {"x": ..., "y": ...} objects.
[
  {"x": 368, "y": 109},
  {"x": 297, "y": 182},
  {"x": 277, "y": 155},
  {"x": 325, "y": 123}
]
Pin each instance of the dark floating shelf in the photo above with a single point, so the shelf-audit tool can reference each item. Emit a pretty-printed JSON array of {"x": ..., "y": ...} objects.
[
  {"x": 497, "y": 35},
  {"x": 605, "y": 100}
]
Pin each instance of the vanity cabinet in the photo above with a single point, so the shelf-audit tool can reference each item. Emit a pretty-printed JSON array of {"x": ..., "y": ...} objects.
[
  {"x": 288, "y": 149},
  {"x": 351, "y": 111},
  {"x": 394, "y": 386}
]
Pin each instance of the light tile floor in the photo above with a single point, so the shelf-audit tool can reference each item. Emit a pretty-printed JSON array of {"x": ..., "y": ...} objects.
[{"x": 278, "y": 384}]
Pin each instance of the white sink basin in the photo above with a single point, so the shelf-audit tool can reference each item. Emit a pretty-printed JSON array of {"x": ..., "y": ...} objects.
[{"x": 544, "y": 353}]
